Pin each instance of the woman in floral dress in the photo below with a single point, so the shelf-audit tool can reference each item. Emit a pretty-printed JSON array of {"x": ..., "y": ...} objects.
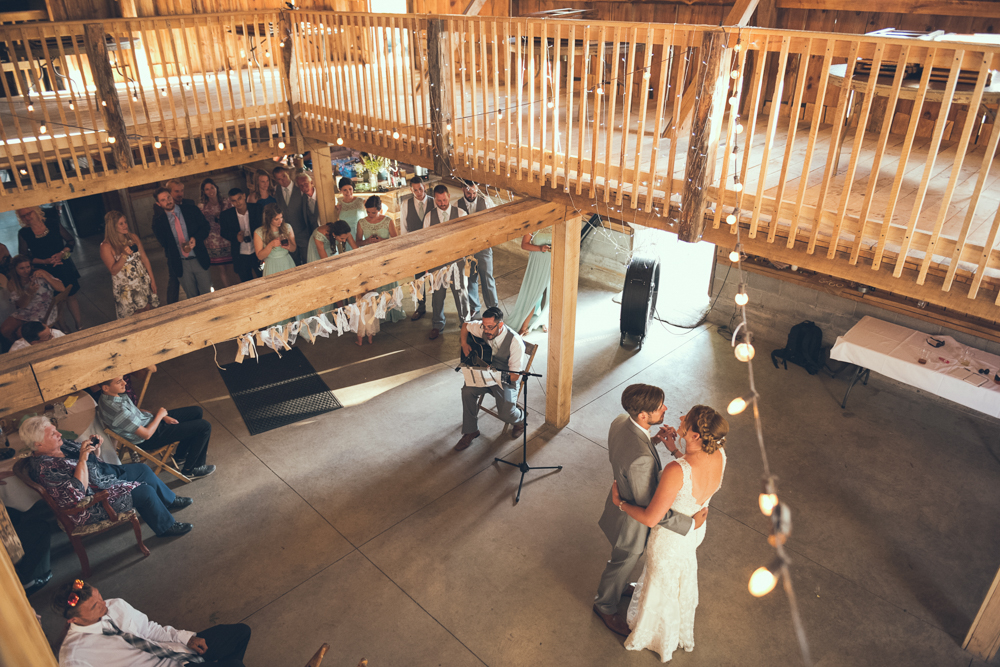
[
  {"x": 220, "y": 254},
  {"x": 132, "y": 280},
  {"x": 32, "y": 291}
]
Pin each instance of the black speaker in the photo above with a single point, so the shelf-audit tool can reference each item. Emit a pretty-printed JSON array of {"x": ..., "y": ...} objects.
[{"x": 642, "y": 280}]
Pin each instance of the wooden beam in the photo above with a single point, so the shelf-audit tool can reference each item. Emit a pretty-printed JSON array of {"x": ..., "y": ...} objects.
[
  {"x": 767, "y": 14},
  {"x": 740, "y": 13},
  {"x": 22, "y": 641},
  {"x": 704, "y": 136},
  {"x": 326, "y": 185},
  {"x": 290, "y": 83},
  {"x": 438, "y": 54},
  {"x": 974, "y": 8},
  {"x": 104, "y": 78},
  {"x": 562, "y": 320},
  {"x": 983, "y": 638},
  {"x": 89, "y": 356},
  {"x": 472, "y": 9}
]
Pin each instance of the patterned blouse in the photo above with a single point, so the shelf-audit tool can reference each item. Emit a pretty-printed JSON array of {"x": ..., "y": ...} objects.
[{"x": 56, "y": 475}]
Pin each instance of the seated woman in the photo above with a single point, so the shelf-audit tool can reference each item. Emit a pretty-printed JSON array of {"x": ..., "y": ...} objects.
[
  {"x": 50, "y": 246},
  {"x": 132, "y": 282},
  {"x": 71, "y": 472},
  {"x": 32, "y": 291}
]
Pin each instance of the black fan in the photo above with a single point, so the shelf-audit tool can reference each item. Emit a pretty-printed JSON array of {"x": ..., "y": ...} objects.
[{"x": 642, "y": 280}]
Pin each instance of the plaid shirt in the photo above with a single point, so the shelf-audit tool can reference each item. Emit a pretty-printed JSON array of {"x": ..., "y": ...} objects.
[{"x": 119, "y": 414}]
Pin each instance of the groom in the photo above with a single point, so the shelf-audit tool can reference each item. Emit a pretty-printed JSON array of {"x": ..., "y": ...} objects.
[{"x": 637, "y": 469}]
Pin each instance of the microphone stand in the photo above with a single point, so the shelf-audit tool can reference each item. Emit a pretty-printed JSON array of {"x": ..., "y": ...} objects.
[{"x": 523, "y": 465}]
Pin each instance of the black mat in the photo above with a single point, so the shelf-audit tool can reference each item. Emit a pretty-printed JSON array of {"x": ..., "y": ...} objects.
[{"x": 272, "y": 392}]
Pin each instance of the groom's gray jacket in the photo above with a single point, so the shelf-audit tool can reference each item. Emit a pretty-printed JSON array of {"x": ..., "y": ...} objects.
[{"x": 636, "y": 467}]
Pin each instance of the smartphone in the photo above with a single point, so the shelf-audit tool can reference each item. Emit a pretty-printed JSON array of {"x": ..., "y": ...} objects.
[{"x": 284, "y": 242}]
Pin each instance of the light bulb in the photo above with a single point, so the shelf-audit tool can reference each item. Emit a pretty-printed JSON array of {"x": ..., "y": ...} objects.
[
  {"x": 135, "y": 97},
  {"x": 42, "y": 129},
  {"x": 221, "y": 146},
  {"x": 281, "y": 43},
  {"x": 741, "y": 298},
  {"x": 730, "y": 219},
  {"x": 448, "y": 126},
  {"x": 267, "y": 54},
  {"x": 111, "y": 140},
  {"x": 736, "y": 406},
  {"x": 767, "y": 502},
  {"x": 24, "y": 172},
  {"x": 281, "y": 144},
  {"x": 395, "y": 134},
  {"x": 31, "y": 107},
  {"x": 645, "y": 75},
  {"x": 500, "y": 116},
  {"x": 734, "y": 101},
  {"x": 71, "y": 105},
  {"x": 340, "y": 141},
  {"x": 744, "y": 351},
  {"x": 156, "y": 143},
  {"x": 738, "y": 187},
  {"x": 762, "y": 582},
  {"x": 104, "y": 103},
  {"x": 599, "y": 91},
  {"x": 739, "y": 128},
  {"x": 163, "y": 92},
  {"x": 734, "y": 256},
  {"x": 737, "y": 48},
  {"x": 550, "y": 104},
  {"x": 735, "y": 74}
]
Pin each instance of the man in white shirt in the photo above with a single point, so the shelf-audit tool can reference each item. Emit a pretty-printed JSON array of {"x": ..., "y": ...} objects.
[
  {"x": 506, "y": 352},
  {"x": 411, "y": 218},
  {"x": 33, "y": 333},
  {"x": 472, "y": 201},
  {"x": 443, "y": 211},
  {"x": 237, "y": 225},
  {"x": 114, "y": 634},
  {"x": 310, "y": 207},
  {"x": 289, "y": 200}
]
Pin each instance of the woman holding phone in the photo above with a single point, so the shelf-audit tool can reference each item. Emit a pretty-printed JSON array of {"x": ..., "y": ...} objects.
[
  {"x": 274, "y": 241},
  {"x": 132, "y": 280}
]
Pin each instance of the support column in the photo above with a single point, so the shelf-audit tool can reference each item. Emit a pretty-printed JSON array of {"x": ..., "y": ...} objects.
[
  {"x": 438, "y": 47},
  {"x": 562, "y": 320},
  {"x": 983, "y": 639},
  {"x": 705, "y": 128},
  {"x": 286, "y": 34},
  {"x": 107, "y": 94},
  {"x": 22, "y": 641},
  {"x": 326, "y": 187}
]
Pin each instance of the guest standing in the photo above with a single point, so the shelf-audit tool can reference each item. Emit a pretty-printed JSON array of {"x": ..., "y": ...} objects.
[
  {"x": 327, "y": 240},
  {"x": 350, "y": 208},
  {"x": 176, "y": 189},
  {"x": 181, "y": 229},
  {"x": 131, "y": 275},
  {"x": 531, "y": 308},
  {"x": 274, "y": 242},
  {"x": 372, "y": 229},
  {"x": 472, "y": 201},
  {"x": 50, "y": 245},
  {"x": 289, "y": 201},
  {"x": 310, "y": 210},
  {"x": 443, "y": 211},
  {"x": 262, "y": 191},
  {"x": 237, "y": 225},
  {"x": 31, "y": 291},
  {"x": 219, "y": 251},
  {"x": 411, "y": 217}
]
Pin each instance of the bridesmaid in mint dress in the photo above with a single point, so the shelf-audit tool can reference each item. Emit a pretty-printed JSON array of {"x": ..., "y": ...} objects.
[
  {"x": 372, "y": 229},
  {"x": 531, "y": 308},
  {"x": 321, "y": 246},
  {"x": 273, "y": 241},
  {"x": 350, "y": 208}
]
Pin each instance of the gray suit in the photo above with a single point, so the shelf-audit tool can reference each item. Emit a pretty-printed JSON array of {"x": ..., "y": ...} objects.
[
  {"x": 636, "y": 467},
  {"x": 293, "y": 212}
]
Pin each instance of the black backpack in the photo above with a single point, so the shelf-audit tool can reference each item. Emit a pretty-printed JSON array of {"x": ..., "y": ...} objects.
[{"x": 804, "y": 348}]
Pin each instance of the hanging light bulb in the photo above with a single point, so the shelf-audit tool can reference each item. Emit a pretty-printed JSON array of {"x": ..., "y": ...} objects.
[
  {"x": 550, "y": 104},
  {"x": 500, "y": 115},
  {"x": 24, "y": 172},
  {"x": 730, "y": 219},
  {"x": 738, "y": 187},
  {"x": 767, "y": 503},
  {"x": 742, "y": 299},
  {"x": 340, "y": 141},
  {"x": 163, "y": 92},
  {"x": 395, "y": 133},
  {"x": 599, "y": 91},
  {"x": 762, "y": 582},
  {"x": 157, "y": 143},
  {"x": 42, "y": 129},
  {"x": 645, "y": 75},
  {"x": 104, "y": 103},
  {"x": 111, "y": 140},
  {"x": 221, "y": 146},
  {"x": 744, "y": 352},
  {"x": 739, "y": 128},
  {"x": 71, "y": 105},
  {"x": 281, "y": 144},
  {"x": 737, "y": 47},
  {"x": 448, "y": 127},
  {"x": 281, "y": 43},
  {"x": 734, "y": 101},
  {"x": 737, "y": 405},
  {"x": 734, "y": 256},
  {"x": 735, "y": 74},
  {"x": 135, "y": 96}
]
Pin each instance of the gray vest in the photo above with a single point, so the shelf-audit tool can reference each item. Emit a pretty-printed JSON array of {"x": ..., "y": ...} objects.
[
  {"x": 501, "y": 358},
  {"x": 474, "y": 207},
  {"x": 413, "y": 222},
  {"x": 452, "y": 214}
]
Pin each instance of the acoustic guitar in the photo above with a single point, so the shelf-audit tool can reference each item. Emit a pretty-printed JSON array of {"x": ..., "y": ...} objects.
[{"x": 481, "y": 355}]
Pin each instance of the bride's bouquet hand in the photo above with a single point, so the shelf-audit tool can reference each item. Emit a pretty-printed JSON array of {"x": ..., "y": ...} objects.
[{"x": 615, "y": 496}]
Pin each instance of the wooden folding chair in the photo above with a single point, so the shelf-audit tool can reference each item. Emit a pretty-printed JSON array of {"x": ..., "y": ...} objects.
[
  {"x": 57, "y": 303},
  {"x": 158, "y": 459},
  {"x": 530, "y": 349}
]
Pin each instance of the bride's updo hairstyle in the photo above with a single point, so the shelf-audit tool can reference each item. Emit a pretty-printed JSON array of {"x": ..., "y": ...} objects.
[{"x": 710, "y": 425}]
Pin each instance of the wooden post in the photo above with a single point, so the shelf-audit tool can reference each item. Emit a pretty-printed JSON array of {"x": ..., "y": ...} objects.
[
  {"x": 107, "y": 94},
  {"x": 983, "y": 639},
  {"x": 562, "y": 320},
  {"x": 705, "y": 127},
  {"x": 326, "y": 186},
  {"x": 286, "y": 34},
  {"x": 438, "y": 44},
  {"x": 22, "y": 641}
]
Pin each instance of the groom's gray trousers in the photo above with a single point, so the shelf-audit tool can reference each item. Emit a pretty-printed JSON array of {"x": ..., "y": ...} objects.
[{"x": 615, "y": 579}]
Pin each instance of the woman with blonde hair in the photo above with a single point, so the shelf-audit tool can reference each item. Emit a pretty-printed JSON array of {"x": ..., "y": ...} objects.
[
  {"x": 220, "y": 255},
  {"x": 661, "y": 614},
  {"x": 274, "y": 241},
  {"x": 50, "y": 247},
  {"x": 132, "y": 280},
  {"x": 261, "y": 190},
  {"x": 31, "y": 291}
]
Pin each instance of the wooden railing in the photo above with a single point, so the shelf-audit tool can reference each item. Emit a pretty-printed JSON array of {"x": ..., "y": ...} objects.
[
  {"x": 210, "y": 88},
  {"x": 897, "y": 182}
]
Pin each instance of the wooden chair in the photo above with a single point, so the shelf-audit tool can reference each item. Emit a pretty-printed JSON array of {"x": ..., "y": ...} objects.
[
  {"x": 530, "y": 349},
  {"x": 57, "y": 303},
  {"x": 158, "y": 459},
  {"x": 77, "y": 533},
  {"x": 317, "y": 659}
]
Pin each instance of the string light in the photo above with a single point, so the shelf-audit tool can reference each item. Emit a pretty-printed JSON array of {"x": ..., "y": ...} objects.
[
  {"x": 767, "y": 503},
  {"x": 163, "y": 92},
  {"x": 111, "y": 140},
  {"x": 42, "y": 129},
  {"x": 281, "y": 144},
  {"x": 104, "y": 103},
  {"x": 24, "y": 172},
  {"x": 739, "y": 128},
  {"x": 395, "y": 133},
  {"x": 221, "y": 146},
  {"x": 730, "y": 219},
  {"x": 743, "y": 299},
  {"x": 340, "y": 141},
  {"x": 734, "y": 256},
  {"x": 71, "y": 105},
  {"x": 738, "y": 405},
  {"x": 744, "y": 352},
  {"x": 735, "y": 74},
  {"x": 763, "y": 580},
  {"x": 31, "y": 107},
  {"x": 157, "y": 143}
]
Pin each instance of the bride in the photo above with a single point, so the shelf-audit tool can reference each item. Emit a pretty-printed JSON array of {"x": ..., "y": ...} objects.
[{"x": 661, "y": 614}]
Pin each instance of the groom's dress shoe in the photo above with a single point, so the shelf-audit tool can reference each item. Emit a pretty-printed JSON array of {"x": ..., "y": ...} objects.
[
  {"x": 629, "y": 591},
  {"x": 466, "y": 440},
  {"x": 615, "y": 622}
]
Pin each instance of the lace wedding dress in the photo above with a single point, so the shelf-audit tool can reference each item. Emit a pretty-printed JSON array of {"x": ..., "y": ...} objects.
[{"x": 661, "y": 614}]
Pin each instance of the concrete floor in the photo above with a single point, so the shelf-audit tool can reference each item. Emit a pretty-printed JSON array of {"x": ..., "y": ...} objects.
[{"x": 362, "y": 528}]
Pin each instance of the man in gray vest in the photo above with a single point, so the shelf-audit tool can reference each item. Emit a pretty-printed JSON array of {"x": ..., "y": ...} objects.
[
  {"x": 636, "y": 467},
  {"x": 289, "y": 200},
  {"x": 411, "y": 215},
  {"x": 443, "y": 211},
  {"x": 474, "y": 202},
  {"x": 507, "y": 349}
]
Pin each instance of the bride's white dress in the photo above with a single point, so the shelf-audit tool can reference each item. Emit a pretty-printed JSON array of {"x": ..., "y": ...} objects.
[{"x": 661, "y": 614}]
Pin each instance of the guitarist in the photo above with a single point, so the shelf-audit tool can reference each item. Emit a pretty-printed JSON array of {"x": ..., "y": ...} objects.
[{"x": 507, "y": 351}]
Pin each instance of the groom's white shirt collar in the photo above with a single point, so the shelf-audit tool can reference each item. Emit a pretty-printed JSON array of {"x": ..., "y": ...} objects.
[{"x": 644, "y": 431}]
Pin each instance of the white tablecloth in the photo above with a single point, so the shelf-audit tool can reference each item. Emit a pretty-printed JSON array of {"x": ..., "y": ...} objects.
[
  {"x": 893, "y": 351},
  {"x": 81, "y": 420}
]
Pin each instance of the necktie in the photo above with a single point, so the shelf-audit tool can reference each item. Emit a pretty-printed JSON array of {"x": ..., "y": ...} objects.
[
  {"x": 180, "y": 234},
  {"x": 109, "y": 628}
]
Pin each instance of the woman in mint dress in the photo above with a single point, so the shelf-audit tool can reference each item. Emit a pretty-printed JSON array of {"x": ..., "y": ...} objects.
[
  {"x": 531, "y": 308},
  {"x": 372, "y": 229},
  {"x": 326, "y": 242},
  {"x": 351, "y": 209},
  {"x": 273, "y": 241}
]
